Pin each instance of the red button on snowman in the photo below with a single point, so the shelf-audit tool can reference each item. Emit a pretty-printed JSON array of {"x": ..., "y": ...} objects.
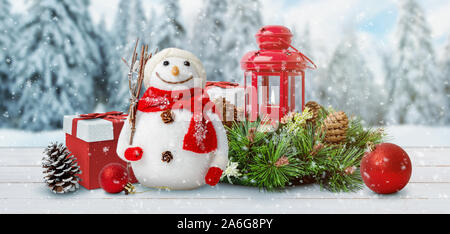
[{"x": 179, "y": 143}]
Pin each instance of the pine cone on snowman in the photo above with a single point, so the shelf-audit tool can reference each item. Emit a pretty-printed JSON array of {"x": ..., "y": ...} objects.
[{"x": 194, "y": 140}]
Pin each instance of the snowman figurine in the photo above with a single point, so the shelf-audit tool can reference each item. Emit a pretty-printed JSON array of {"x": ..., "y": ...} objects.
[{"x": 179, "y": 142}]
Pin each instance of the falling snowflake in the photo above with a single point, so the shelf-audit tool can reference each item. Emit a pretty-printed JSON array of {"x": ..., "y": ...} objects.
[{"x": 105, "y": 149}]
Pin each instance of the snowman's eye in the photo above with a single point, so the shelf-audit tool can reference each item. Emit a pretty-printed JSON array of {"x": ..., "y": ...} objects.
[
  {"x": 166, "y": 63},
  {"x": 187, "y": 63}
]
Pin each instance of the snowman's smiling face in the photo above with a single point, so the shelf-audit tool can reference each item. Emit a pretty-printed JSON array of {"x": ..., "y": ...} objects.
[{"x": 174, "y": 73}]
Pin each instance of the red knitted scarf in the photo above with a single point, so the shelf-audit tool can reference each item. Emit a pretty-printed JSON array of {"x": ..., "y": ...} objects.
[{"x": 201, "y": 137}]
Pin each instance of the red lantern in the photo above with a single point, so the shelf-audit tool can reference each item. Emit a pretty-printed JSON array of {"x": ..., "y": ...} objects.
[{"x": 272, "y": 73}]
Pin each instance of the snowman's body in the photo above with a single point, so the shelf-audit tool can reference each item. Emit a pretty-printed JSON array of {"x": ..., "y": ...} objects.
[{"x": 187, "y": 169}]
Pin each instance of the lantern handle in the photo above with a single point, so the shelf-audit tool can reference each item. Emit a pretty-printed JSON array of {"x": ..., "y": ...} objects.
[{"x": 301, "y": 54}]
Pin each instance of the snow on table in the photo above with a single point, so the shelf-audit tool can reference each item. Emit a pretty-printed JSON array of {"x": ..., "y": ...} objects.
[{"x": 22, "y": 191}]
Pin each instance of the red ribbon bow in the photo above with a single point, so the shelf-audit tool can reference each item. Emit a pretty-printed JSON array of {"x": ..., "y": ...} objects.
[
  {"x": 112, "y": 115},
  {"x": 221, "y": 84}
]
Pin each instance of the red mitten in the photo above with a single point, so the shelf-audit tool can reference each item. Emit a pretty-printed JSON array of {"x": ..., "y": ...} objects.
[
  {"x": 213, "y": 176},
  {"x": 134, "y": 153}
]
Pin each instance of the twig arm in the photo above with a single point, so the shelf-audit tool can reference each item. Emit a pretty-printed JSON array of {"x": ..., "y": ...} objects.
[{"x": 135, "y": 88}]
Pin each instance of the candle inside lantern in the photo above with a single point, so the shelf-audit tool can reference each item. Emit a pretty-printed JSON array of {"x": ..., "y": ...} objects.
[{"x": 272, "y": 98}]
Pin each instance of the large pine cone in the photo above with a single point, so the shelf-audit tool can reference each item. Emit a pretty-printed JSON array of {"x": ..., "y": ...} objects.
[
  {"x": 335, "y": 127},
  {"x": 314, "y": 107},
  {"x": 60, "y": 169}
]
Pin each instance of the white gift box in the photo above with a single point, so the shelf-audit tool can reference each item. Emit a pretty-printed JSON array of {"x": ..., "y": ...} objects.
[
  {"x": 89, "y": 130},
  {"x": 234, "y": 94}
]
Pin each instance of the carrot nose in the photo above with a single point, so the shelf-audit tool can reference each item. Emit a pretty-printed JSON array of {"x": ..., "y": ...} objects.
[{"x": 175, "y": 71}]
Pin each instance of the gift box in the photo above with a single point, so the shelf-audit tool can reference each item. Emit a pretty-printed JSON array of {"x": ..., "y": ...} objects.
[
  {"x": 223, "y": 94},
  {"x": 232, "y": 92},
  {"x": 92, "y": 139}
]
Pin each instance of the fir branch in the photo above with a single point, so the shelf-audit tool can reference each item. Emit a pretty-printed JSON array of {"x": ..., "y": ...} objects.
[
  {"x": 335, "y": 175},
  {"x": 358, "y": 136},
  {"x": 274, "y": 160},
  {"x": 342, "y": 183},
  {"x": 266, "y": 168},
  {"x": 244, "y": 139}
]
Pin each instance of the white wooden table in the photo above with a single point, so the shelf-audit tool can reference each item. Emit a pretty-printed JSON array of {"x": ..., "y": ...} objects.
[{"x": 22, "y": 191}]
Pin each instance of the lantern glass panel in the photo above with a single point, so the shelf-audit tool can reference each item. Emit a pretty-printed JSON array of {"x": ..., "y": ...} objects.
[
  {"x": 269, "y": 95},
  {"x": 248, "y": 94},
  {"x": 295, "y": 92},
  {"x": 294, "y": 95}
]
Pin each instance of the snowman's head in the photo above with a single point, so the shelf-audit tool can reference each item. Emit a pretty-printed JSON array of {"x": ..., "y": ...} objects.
[{"x": 174, "y": 69}]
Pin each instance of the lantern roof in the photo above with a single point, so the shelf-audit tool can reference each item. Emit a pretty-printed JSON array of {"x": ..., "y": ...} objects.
[{"x": 276, "y": 53}]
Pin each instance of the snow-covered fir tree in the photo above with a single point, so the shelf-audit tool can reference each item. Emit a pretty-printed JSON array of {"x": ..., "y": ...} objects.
[
  {"x": 120, "y": 26},
  {"x": 139, "y": 23},
  {"x": 114, "y": 48},
  {"x": 414, "y": 94},
  {"x": 302, "y": 41},
  {"x": 130, "y": 24},
  {"x": 317, "y": 81},
  {"x": 150, "y": 35},
  {"x": 207, "y": 37},
  {"x": 351, "y": 84},
  {"x": 103, "y": 40},
  {"x": 117, "y": 84},
  {"x": 170, "y": 32},
  {"x": 243, "y": 21},
  {"x": 6, "y": 39},
  {"x": 57, "y": 57},
  {"x": 445, "y": 78}
]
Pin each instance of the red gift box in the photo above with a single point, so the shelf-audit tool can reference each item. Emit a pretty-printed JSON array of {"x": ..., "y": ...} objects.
[{"x": 92, "y": 139}]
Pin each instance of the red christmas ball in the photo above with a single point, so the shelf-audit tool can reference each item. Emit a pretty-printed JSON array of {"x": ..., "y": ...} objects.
[
  {"x": 113, "y": 178},
  {"x": 386, "y": 169}
]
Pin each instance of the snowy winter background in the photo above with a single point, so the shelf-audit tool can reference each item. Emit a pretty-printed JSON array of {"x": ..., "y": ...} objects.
[{"x": 386, "y": 61}]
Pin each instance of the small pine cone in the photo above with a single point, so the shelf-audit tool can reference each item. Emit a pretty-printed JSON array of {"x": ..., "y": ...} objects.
[
  {"x": 227, "y": 112},
  {"x": 167, "y": 156},
  {"x": 251, "y": 134},
  {"x": 282, "y": 161},
  {"x": 167, "y": 116},
  {"x": 60, "y": 169},
  {"x": 287, "y": 118},
  {"x": 350, "y": 170},
  {"x": 316, "y": 149},
  {"x": 314, "y": 107},
  {"x": 335, "y": 127}
]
